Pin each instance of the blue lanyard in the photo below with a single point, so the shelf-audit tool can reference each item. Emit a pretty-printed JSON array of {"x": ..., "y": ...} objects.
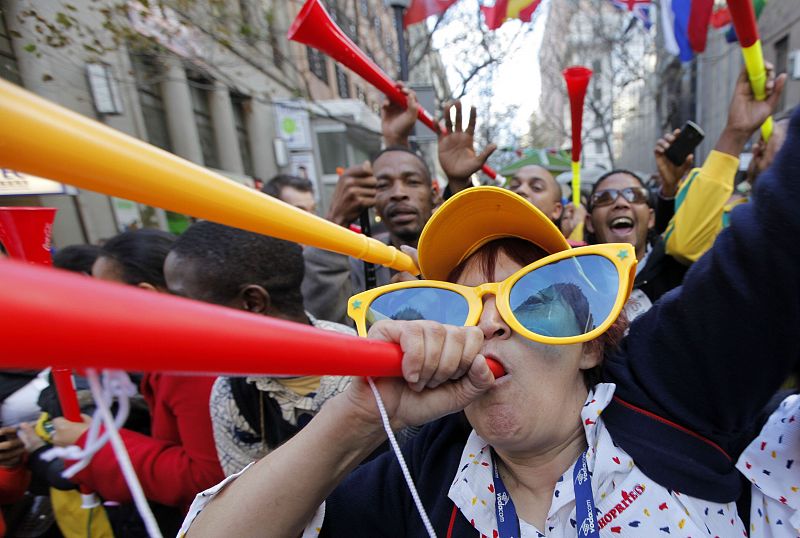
[{"x": 586, "y": 523}]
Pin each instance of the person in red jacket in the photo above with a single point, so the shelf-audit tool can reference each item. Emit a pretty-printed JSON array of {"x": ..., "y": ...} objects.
[
  {"x": 14, "y": 475},
  {"x": 178, "y": 458}
]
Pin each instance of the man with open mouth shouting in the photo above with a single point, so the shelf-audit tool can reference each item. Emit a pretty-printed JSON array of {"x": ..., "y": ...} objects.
[{"x": 620, "y": 212}]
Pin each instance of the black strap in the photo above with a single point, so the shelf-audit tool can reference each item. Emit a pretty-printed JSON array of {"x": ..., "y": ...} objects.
[{"x": 255, "y": 405}]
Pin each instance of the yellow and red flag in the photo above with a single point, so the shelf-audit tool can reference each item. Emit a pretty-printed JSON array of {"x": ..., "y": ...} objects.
[
  {"x": 419, "y": 10},
  {"x": 503, "y": 10}
]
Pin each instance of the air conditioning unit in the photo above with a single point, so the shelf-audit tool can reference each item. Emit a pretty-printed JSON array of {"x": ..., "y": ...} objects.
[{"x": 794, "y": 65}]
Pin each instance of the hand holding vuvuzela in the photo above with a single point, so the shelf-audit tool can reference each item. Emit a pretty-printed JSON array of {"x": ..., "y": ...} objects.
[{"x": 744, "y": 21}]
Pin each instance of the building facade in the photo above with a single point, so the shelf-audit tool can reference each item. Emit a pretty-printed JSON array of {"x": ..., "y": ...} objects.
[
  {"x": 216, "y": 83},
  {"x": 701, "y": 90},
  {"x": 598, "y": 36}
]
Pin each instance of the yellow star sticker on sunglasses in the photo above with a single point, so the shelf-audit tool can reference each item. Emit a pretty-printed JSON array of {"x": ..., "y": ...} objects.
[
  {"x": 356, "y": 305},
  {"x": 622, "y": 254}
]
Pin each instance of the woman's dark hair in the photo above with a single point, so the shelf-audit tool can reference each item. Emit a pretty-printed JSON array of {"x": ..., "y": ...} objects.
[
  {"x": 140, "y": 255},
  {"x": 77, "y": 258},
  {"x": 524, "y": 253},
  {"x": 519, "y": 250}
]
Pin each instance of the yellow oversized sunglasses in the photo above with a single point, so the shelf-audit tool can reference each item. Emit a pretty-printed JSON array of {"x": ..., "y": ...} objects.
[{"x": 569, "y": 297}]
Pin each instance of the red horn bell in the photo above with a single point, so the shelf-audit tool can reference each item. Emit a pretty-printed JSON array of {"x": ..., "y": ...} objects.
[
  {"x": 577, "y": 78},
  {"x": 315, "y": 28},
  {"x": 25, "y": 233}
]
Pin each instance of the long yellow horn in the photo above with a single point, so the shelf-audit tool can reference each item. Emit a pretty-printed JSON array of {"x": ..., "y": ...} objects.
[{"x": 47, "y": 140}]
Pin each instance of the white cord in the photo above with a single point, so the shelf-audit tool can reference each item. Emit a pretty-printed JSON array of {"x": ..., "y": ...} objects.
[
  {"x": 118, "y": 385},
  {"x": 400, "y": 459},
  {"x": 119, "y": 448}
]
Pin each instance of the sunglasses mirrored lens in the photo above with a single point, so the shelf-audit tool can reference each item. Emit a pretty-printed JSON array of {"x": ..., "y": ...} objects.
[
  {"x": 566, "y": 298},
  {"x": 431, "y": 304},
  {"x": 635, "y": 195},
  {"x": 602, "y": 198}
]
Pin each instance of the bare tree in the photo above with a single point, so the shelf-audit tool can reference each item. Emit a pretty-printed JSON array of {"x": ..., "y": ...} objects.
[{"x": 621, "y": 54}]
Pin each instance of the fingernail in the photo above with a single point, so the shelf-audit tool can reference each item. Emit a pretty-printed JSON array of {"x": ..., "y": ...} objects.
[{"x": 413, "y": 377}]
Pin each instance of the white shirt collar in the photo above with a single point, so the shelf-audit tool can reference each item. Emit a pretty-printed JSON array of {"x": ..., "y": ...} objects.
[{"x": 472, "y": 489}]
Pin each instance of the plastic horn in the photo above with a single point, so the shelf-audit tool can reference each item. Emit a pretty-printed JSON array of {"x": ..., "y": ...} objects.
[
  {"x": 90, "y": 155},
  {"x": 744, "y": 22},
  {"x": 577, "y": 78},
  {"x": 315, "y": 28},
  {"x": 95, "y": 324},
  {"x": 26, "y": 234}
]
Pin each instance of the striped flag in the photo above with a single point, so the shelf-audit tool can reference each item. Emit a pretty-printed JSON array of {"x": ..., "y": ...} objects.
[
  {"x": 675, "y": 20},
  {"x": 699, "y": 19},
  {"x": 419, "y": 10},
  {"x": 503, "y": 10}
]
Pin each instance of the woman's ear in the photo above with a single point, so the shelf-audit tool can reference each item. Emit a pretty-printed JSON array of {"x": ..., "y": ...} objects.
[
  {"x": 592, "y": 355},
  {"x": 146, "y": 286},
  {"x": 588, "y": 223},
  {"x": 254, "y": 299}
]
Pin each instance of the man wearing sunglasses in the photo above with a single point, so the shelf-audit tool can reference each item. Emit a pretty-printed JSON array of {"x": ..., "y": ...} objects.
[
  {"x": 587, "y": 433},
  {"x": 619, "y": 212}
]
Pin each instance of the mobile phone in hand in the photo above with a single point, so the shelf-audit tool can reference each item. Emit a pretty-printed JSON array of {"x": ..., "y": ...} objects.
[{"x": 689, "y": 138}]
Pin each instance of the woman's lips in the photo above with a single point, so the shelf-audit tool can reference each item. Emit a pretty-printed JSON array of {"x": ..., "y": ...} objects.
[{"x": 496, "y": 366}]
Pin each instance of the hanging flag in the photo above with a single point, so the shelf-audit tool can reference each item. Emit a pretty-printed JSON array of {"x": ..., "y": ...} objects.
[
  {"x": 419, "y": 10},
  {"x": 699, "y": 18},
  {"x": 639, "y": 8},
  {"x": 675, "y": 20},
  {"x": 502, "y": 10}
]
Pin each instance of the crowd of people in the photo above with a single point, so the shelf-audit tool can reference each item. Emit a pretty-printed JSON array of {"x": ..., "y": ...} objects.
[{"x": 648, "y": 383}]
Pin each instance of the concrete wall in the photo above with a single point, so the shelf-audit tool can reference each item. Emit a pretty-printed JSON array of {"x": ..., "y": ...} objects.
[
  {"x": 716, "y": 72},
  {"x": 58, "y": 73},
  {"x": 781, "y": 19}
]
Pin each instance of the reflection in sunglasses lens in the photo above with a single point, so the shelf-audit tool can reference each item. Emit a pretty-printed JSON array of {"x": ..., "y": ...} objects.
[
  {"x": 566, "y": 298},
  {"x": 431, "y": 304},
  {"x": 634, "y": 195}
]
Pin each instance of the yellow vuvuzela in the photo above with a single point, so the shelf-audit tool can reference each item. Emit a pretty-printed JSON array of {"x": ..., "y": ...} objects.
[{"x": 47, "y": 140}]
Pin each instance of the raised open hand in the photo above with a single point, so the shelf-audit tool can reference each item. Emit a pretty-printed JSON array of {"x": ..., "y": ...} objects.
[{"x": 456, "y": 148}]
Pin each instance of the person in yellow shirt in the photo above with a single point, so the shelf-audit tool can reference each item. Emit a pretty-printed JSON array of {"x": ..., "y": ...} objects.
[{"x": 704, "y": 198}]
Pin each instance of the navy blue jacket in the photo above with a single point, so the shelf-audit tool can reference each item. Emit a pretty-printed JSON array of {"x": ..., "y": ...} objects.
[{"x": 692, "y": 375}]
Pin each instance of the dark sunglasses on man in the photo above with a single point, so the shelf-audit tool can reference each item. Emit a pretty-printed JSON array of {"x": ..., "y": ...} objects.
[{"x": 634, "y": 195}]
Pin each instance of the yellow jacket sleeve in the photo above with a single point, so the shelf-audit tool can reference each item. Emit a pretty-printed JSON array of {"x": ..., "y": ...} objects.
[{"x": 699, "y": 206}]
